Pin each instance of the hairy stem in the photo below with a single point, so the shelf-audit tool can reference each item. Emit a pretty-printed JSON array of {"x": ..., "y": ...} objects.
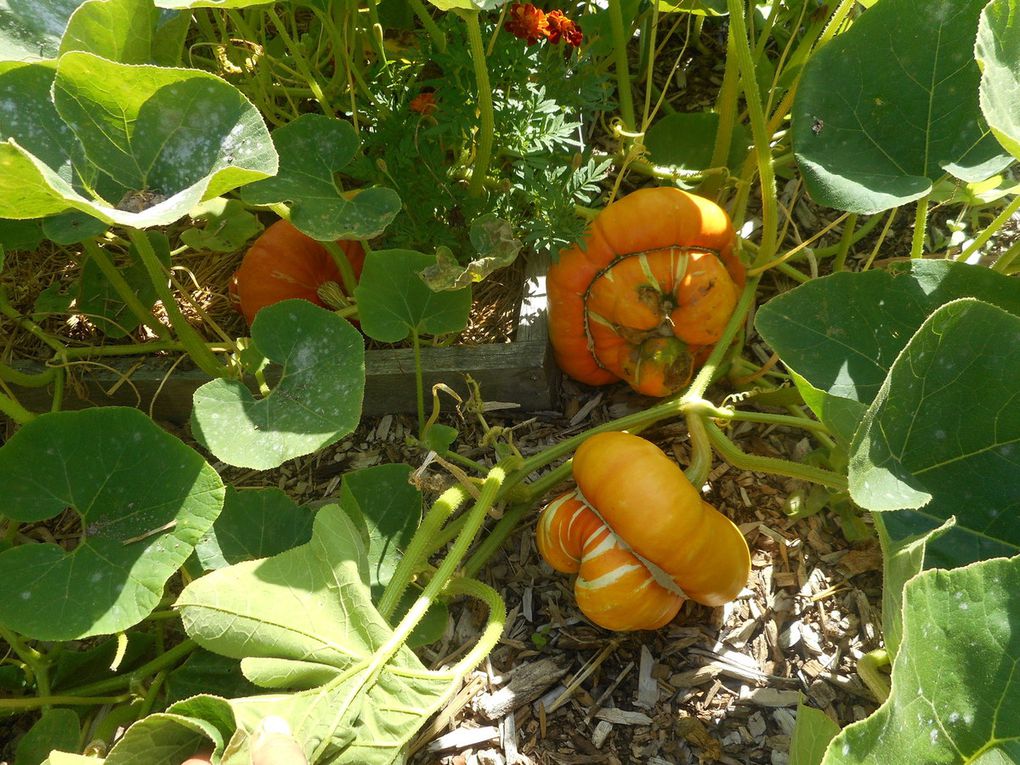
[
  {"x": 487, "y": 120},
  {"x": 620, "y": 39}
]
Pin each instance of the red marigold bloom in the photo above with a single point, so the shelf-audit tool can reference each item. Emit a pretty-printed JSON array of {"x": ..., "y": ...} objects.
[
  {"x": 527, "y": 22},
  {"x": 560, "y": 27},
  {"x": 424, "y": 103}
]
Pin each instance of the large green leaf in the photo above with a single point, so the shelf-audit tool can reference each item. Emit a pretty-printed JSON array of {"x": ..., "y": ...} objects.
[
  {"x": 30, "y": 29},
  {"x": 168, "y": 738},
  {"x": 387, "y": 508},
  {"x": 226, "y": 226},
  {"x": 955, "y": 691},
  {"x": 134, "y": 145},
  {"x": 304, "y": 617},
  {"x": 811, "y": 736},
  {"x": 255, "y": 523},
  {"x": 842, "y": 333},
  {"x": 891, "y": 105},
  {"x": 942, "y": 437},
  {"x": 128, "y": 31},
  {"x": 313, "y": 149},
  {"x": 998, "y": 55},
  {"x": 316, "y": 401},
  {"x": 205, "y": 672},
  {"x": 902, "y": 559},
  {"x": 394, "y": 302},
  {"x": 56, "y": 729},
  {"x": 143, "y": 500}
]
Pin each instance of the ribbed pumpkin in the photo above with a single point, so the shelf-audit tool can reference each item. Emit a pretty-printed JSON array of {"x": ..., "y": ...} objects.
[
  {"x": 285, "y": 263},
  {"x": 639, "y": 537},
  {"x": 648, "y": 292}
]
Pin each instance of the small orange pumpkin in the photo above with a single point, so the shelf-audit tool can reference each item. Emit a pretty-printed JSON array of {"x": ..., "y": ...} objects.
[
  {"x": 639, "y": 537},
  {"x": 285, "y": 263},
  {"x": 648, "y": 294}
]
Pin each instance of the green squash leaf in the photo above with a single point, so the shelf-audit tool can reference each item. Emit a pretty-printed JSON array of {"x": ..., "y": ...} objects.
[
  {"x": 998, "y": 55},
  {"x": 255, "y": 523},
  {"x": 207, "y": 673},
  {"x": 150, "y": 142},
  {"x": 30, "y": 29},
  {"x": 128, "y": 31},
  {"x": 686, "y": 141},
  {"x": 144, "y": 500},
  {"x": 811, "y": 736},
  {"x": 842, "y": 333},
  {"x": 942, "y": 437},
  {"x": 226, "y": 226},
  {"x": 312, "y": 606},
  {"x": 902, "y": 559},
  {"x": 394, "y": 302},
  {"x": 56, "y": 729},
  {"x": 955, "y": 696},
  {"x": 316, "y": 401},
  {"x": 880, "y": 115},
  {"x": 313, "y": 148},
  {"x": 381, "y": 501}
]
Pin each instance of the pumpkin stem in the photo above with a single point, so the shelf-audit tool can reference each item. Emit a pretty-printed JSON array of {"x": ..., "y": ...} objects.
[{"x": 331, "y": 294}]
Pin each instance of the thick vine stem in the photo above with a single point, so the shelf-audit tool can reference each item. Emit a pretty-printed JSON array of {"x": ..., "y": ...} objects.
[
  {"x": 98, "y": 256},
  {"x": 114, "y": 684},
  {"x": 25, "y": 380},
  {"x": 701, "y": 450},
  {"x": 622, "y": 66},
  {"x": 741, "y": 459},
  {"x": 300, "y": 63},
  {"x": 417, "y": 550},
  {"x": 461, "y": 585},
  {"x": 726, "y": 107},
  {"x": 36, "y": 662},
  {"x": 920, "y": 227},
  {"x": 344, "y": 266},
  {"x": 762, "y": 149},
  {"x": 13, "y": 409},
  {"x": 486, "y": 115},
  {"x": 193, "y": 343},
  {"x": 991, "y": 229},
  {"x": 869, "y": 669}
]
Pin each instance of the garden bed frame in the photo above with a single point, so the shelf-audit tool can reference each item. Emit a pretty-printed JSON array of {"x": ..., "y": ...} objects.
[{"x": 521, "y": 372}]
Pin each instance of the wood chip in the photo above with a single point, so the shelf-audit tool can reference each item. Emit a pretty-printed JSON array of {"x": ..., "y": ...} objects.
[
  {"x": 694, "y": 732},
  {"x": 770, "y": 697},
  {"x": 462, "y": 738},
  {"x": 527, "y": 684},
  {"x": 601, "y": 733},
  {"x": 623, "y": 716},
  {"x": 648, "y": 688}
]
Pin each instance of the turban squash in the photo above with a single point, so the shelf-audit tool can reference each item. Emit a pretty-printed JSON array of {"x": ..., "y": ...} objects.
[
  {"x": 639, "y": 537},
  {"x": 285, "y": 263},
  {"x": 647, "y": 294}
]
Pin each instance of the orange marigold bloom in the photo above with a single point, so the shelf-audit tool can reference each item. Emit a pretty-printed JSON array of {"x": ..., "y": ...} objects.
[
  {"x": 560, "y": 27},
  {"x": 527, "y": 22},
  {"x": 424, "y": 103}
]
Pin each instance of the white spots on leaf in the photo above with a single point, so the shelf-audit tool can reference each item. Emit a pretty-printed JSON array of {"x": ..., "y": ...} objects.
[
  {"x": 26, "y": 595},
  {"x": 940, "y": 434},
  {"x": 934, "y": 735}
]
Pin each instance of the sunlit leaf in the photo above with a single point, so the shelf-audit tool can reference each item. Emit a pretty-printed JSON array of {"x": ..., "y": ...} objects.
[
  {"x": 316, "y": 401},
  {"x": 955, "y": 695},
  {"x": 881, "y": 112},
  {"x": 139, "y": 501}
]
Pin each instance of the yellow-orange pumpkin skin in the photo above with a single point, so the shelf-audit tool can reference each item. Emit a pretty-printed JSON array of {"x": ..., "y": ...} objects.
[
  {"x": 285, "y": 263},
  {"x": 657, "y": 264},
  {"x": 634, "y": 506}
]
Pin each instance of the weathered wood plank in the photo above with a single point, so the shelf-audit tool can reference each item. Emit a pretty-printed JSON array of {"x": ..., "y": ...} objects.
[{"x": 522, "y": 372}]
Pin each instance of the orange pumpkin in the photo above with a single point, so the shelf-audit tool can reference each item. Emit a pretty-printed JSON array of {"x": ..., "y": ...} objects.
[
  {"x": 639, "y": 537},
  {"x": 647, "y": 294},
  {"x": 284, "y": 263}
]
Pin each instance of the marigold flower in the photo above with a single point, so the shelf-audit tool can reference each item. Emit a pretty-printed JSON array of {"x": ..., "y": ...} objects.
[
  {"x": 424, "y": 104},
  {"x": 560, "y": 27},
  {"x": 527, "y": 22}
]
